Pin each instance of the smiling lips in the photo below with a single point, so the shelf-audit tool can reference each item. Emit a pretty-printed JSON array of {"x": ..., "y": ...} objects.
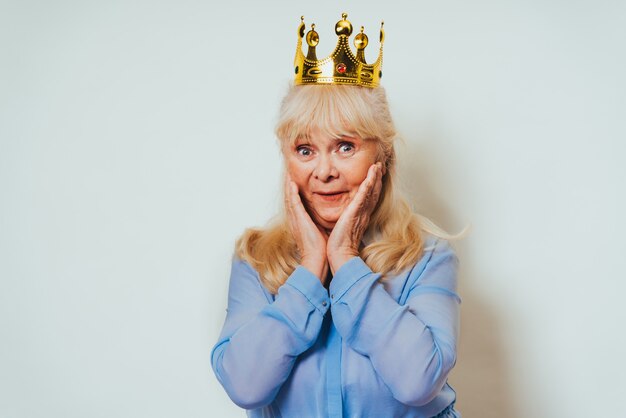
[{"x": 329, "y": 196}]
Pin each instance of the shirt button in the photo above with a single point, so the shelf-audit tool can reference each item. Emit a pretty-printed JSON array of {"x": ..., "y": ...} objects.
[
  {"x": 324, "y": 303},
  {"x": 332, "y": 296}
]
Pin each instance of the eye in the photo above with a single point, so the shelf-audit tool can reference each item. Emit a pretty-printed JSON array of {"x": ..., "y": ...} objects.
[
  {"x": 304, "y": 151},
  {"x": 346, "y": 147}
]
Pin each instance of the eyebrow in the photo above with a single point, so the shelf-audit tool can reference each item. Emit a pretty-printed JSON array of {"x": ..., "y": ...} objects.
[
  {"x": 304, "y": 139},
  {"x": 351, "y": 137}
]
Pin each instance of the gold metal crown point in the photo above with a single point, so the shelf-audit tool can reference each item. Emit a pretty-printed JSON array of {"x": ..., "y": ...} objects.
[
  {"x": 342, "y": 66},
  {"x": 343, "y": 27},
  {"x": 312, "y": 37},
  {"x": 360, "y": 40}
]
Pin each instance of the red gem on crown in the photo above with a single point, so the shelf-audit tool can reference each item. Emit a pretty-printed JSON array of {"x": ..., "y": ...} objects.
[{"x": 341, "y": 68}]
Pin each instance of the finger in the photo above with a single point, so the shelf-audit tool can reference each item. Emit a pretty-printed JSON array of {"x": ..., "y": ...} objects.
[
  {"x": 293, "y": 197},
  {"x": 366, "y": 187},
  {"x": 367, "y": 195},
  {"x": 290, "y": 204},
  {"x": 378, "y": 184},
  {"x": 297, "y": 206},
  {"x": 295, "y": 202},
  {"x": 383, "y": 167},
  {"x": 286, "y": 189}
]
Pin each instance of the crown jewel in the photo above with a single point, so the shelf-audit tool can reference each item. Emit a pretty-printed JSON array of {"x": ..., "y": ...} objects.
[{"x": 341, "y": 66}]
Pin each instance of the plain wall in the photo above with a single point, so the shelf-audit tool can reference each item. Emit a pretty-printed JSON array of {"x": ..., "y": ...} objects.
[{"x": 136, "y": 144}]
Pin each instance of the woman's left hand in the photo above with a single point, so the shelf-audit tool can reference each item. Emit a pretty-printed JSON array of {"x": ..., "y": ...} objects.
[{"x": 345, "y": 239}]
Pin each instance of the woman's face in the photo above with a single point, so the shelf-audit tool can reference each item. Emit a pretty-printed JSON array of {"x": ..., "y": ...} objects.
[{"x": 328, "y": 172}]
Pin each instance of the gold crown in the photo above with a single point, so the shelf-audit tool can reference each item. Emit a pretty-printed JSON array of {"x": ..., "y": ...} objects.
[{"x": 342, "y": 66}]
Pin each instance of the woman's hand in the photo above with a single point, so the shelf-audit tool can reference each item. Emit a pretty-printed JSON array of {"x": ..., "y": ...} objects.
[
  {"x": 310, "y": 240},
  {"x": 345, "y": 239}
]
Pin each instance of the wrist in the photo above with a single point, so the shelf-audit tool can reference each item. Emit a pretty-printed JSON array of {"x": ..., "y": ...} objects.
[
  {"x": 314, "y": 266},
  {"x": 339, "y": 259}
]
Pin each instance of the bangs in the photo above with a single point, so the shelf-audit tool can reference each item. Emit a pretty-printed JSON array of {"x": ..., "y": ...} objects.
[{"x": 335, "y": 110}]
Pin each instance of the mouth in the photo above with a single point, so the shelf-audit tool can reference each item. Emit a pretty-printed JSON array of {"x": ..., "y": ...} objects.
[{"x": 329, "y": 196}]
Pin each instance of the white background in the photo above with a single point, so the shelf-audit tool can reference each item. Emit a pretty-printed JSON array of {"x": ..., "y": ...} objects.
[{"x": 136, "y": 144}]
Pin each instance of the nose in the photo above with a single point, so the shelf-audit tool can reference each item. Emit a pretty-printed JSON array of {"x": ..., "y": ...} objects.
[{"x": 325, "y": 169}]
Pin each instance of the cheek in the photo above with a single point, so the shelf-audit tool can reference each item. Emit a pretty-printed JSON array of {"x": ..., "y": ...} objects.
[
  {"x": 356, "y": 173},
  {"x": 298, "y": 172}
]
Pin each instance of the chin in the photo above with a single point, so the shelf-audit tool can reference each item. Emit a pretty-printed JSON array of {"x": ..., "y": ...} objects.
[
  {"x": 325, "y": 217},
  {"x": 328, "y": 221},
  {"x": 325, "y": 224}
]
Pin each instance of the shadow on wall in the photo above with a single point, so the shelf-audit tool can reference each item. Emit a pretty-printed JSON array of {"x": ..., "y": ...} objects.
[{"x": 480, "y": 377}]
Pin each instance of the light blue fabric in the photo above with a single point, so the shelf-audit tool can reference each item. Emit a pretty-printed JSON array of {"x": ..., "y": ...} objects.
[{"x": 363, "y": 348}]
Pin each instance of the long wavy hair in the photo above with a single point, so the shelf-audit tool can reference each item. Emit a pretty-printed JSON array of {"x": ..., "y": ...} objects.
[{"x": 393, "y": 240}]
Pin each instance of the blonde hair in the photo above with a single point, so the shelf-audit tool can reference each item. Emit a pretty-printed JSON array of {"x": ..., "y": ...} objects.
[{"x": 394, "y": 233}]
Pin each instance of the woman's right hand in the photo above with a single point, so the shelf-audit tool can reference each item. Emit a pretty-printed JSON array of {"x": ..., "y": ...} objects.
[{"x": 310, "y": 240}]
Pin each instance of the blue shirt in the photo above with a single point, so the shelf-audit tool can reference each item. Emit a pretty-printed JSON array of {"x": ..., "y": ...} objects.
[{"x": 362, "y": 348}]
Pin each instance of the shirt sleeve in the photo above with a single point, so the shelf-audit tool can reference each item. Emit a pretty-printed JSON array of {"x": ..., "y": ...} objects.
[
  {"x": 411, "y": 346},
  {"x": 263, "y": 335}
]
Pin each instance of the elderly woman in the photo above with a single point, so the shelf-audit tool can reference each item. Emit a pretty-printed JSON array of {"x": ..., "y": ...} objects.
[{"x": 346, "y": 305}]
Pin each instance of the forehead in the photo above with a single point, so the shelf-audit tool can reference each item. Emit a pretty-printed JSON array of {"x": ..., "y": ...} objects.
[
  {"x": 319, "y": 133},
  {"x": 327, "y": 134}
]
